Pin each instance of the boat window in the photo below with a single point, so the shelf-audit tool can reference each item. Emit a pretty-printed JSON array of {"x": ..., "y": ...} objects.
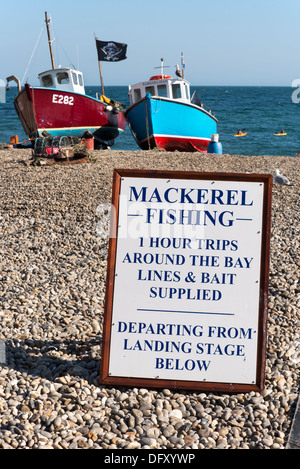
[
  {"x": 137, "y": 94},
  {"x": 80, "y": 79},
  {"x": 150, "y": 89},
  {"x": 47, "y": 80},
  {"x": 74, "y": 76},
  {"x": 176, "y": 91},
  {"x": 62, "y": 78},
  {"x": 162, "y": 90}
]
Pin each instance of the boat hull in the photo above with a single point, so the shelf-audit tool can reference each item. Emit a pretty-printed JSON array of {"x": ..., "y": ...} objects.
[
  {"x": 170, "y": 125},
  {"x": 59, "y": 113}
]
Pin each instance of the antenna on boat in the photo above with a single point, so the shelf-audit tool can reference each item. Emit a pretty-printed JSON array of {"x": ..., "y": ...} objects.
[
  {"x": 47, "y": 21},
  {"x": 182, "y": 65},
  {"x": 162, "y": 67}
]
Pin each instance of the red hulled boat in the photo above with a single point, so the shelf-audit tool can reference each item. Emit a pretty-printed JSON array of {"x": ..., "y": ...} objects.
[{"x": 60, "y": 107}]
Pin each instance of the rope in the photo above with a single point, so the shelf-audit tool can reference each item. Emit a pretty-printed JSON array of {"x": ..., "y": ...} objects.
[
  {"x": 63, "y": 49},
  {"x": 33, "y": 52}
]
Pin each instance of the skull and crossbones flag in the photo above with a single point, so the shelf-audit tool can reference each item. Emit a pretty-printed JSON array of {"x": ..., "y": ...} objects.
[{"x": 110, "y": 51}]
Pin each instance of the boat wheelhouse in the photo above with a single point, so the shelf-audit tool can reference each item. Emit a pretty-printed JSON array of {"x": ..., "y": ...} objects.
[
  {"x": 65, "y": 79},
  {"x": 160, "y": 86}
]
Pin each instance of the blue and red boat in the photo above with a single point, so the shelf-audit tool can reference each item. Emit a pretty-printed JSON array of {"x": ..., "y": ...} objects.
[{"x": 163, "y": 114}]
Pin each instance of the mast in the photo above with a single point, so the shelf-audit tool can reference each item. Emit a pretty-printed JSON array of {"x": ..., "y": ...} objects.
[
  {"x": 47, "y": 21},
  {"x": 182, "y": 65},
  {"x": 100, "y": 70}
]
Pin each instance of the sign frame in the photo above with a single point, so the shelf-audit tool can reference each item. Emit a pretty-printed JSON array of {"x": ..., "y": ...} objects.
[{"x": 106, "y": 377}]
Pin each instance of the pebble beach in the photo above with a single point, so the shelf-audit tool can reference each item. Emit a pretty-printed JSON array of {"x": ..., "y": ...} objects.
[{"x": 53, "y": 274}]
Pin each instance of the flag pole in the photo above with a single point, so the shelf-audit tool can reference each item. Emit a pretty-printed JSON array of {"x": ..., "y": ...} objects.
[{"x": 100, "y": 70}]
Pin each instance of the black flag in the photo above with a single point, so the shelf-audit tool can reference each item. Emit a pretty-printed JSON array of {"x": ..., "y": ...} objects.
[{"x": 111, "y": 51}]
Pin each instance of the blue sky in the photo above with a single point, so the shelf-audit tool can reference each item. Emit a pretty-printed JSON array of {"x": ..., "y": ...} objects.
[{"x": 225, "y": 42}]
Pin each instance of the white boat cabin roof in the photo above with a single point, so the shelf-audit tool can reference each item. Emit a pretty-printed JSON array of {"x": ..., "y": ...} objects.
[
  {"x": 161, "y": 86},
  {"x": 65, "y": 79}
]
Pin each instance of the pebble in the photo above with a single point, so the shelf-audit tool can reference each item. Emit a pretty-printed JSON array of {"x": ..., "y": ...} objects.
[{"x": 53, "y": 274}]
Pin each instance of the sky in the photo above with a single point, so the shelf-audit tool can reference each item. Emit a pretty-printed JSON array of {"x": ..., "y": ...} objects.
[{"x": 224, "y": 42}]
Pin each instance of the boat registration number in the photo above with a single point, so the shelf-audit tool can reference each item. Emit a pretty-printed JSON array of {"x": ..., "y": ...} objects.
[{"x": 63, "y": 99}]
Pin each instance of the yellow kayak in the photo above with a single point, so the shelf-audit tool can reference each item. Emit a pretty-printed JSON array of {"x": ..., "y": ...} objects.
[
  {"x": 281, "y": 133},
  {"x": 240, "y": 135}
]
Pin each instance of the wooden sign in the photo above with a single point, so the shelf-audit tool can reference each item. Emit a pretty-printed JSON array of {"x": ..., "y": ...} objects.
[{"x": 187, "y": 281}]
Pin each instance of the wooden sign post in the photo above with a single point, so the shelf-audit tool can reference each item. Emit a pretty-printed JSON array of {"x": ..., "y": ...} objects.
[{"x": 187, "y": 282}]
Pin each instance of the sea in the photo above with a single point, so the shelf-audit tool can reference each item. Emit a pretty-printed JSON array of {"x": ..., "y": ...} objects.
[{"x": 260, "y": 111}]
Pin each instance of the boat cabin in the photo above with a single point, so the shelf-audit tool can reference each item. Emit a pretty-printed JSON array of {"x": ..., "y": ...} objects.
[
  {"x": 65, "y": 79},
  {"x": 161, "y": 86}
]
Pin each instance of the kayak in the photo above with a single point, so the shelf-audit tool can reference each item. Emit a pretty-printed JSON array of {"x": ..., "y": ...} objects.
[
  {"x": 240, "y": 135},
  {"x": 280, "y": 133}
]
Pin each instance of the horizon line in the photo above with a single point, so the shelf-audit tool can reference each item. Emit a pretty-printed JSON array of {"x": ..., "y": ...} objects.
[{"x": 203, "y": 86}]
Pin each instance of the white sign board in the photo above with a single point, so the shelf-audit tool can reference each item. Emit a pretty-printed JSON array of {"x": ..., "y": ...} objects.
[{"x": 186, "y": 299}]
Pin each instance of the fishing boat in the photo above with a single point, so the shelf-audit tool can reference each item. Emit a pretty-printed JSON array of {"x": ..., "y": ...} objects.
[
  {"x": 162, "y": 113},
  {"x": 60, "y": 106}
]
